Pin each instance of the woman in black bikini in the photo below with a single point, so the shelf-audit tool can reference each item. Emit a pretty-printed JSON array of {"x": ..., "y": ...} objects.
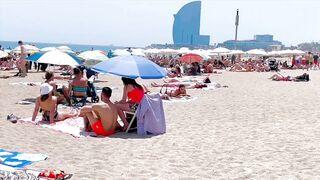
[{"x": 47, "y": 104}]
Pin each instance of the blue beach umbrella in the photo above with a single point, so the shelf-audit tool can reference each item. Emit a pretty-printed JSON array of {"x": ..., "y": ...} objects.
[
  {"x": 56, "y": 57},
  {"x": 131, "y": 67}
]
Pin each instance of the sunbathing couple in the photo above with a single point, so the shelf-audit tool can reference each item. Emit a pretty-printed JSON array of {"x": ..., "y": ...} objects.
[
  {"x": 302, "y": 78},
  {"x": 101, "y": 118}
]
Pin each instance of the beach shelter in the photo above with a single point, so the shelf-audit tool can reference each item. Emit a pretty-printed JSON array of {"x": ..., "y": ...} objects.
[
  {"x": 138, "y": 52},
  {"x": 191, "y": 58},
  {"x": 56, "y": 57},
  {"x": 3, "y": 54},
  {"x": 131, "y": 66},
  {"x": 29, "y": 48}
]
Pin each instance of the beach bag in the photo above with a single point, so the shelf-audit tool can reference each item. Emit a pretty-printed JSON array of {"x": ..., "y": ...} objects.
[{"x": 207, "y": 80}]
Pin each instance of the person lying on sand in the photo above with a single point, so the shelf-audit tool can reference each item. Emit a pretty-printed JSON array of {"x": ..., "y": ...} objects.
[
  {"x": 101, "y": 118},
  {"x": 177, "y": 93},
  {"x": 188, "y": 84},
  {"x": 279, "y": 77},
  {"x": 47, "y": 104}
]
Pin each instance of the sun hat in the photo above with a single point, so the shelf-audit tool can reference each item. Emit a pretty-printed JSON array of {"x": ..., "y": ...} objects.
[{"x": 45, "y": 88}]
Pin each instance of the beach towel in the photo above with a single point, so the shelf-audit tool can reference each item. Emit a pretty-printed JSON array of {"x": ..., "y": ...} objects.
[
  {"x": 70, "y": 126},
  {"x": 182, "y": 99},
  {"x": 7, "y": 172},
  {"x": 19, "y": 160}
]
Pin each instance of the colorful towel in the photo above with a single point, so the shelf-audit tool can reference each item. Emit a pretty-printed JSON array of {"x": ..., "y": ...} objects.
[
  {"x": 11, "y": 173},
  {"x": 70, "y": 126},
  {"x": 19, "y": 160}
]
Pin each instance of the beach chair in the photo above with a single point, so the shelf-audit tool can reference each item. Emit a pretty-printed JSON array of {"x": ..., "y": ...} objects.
[{"x": 131, "y": 121}]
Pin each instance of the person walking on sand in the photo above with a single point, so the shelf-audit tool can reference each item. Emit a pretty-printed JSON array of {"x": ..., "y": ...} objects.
[{"x": 21, "y": 63}]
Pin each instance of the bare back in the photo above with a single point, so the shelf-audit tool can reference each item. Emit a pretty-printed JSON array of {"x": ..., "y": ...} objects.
[{"x": 108, "y": 115}]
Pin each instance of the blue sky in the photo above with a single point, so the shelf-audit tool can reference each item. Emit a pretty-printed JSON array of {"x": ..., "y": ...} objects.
[{"x": 143, "y": 22}]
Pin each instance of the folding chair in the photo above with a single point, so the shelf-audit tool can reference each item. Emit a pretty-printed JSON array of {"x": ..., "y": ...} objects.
[{"x": 131, "y": 120}]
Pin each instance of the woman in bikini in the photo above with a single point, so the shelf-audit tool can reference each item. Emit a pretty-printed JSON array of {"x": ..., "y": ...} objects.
[
  {"x": 178, "y": 93},
  {"x": 47, "y": 104},
  {"x": 60, "y": 93},
  {"x": 131, "y": 97}
]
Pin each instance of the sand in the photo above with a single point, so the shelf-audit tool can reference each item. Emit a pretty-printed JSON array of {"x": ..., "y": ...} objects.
[{"x": 255, "y": 129}]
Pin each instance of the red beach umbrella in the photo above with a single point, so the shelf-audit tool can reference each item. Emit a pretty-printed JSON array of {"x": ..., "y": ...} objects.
[{"x": 191, "y": 58}]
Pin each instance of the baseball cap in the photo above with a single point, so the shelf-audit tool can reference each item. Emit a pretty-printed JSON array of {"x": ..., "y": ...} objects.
[{"x": 45, "y": 88}]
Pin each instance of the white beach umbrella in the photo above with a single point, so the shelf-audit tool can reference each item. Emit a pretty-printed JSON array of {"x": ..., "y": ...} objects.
[
  {"x": 56, "y": 57},
  {"x": 204, "y": 54},
  {"x": 151, "y": 51},
  {"x": 184, "y": 50},
  {"x": 257, "y": 52},
  {"x": 45, "y": 49},
  {"x": 286, "y": 52},
  {"x": 138, "y": 52},
  {"x": 65, "y": 49},
  {"x": 273, "y": 53},
  {"x": 168, "y": 51},
  {"x": 298, "y": 52},
  {"x": 121, "y": 52},
  {"x": 94, "y": 55},
  {"x": 29, "y": 49},
  {"x": 3, "y": 54},
  {"x": 235, "y": 52},
  {"x": 220, "y": 50}
]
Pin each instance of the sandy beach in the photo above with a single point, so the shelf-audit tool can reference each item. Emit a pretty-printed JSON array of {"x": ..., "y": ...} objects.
[{"x": 255, "y": 129}]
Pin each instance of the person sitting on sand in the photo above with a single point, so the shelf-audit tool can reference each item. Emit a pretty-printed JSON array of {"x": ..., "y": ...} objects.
[
  {"x": 175, "y": 72},
  {"x": 131, "y": 97},
  {"x": 60, "y": 93},
  {"x": 47, "y": 104},
  {"x": 101, "y": 118}
]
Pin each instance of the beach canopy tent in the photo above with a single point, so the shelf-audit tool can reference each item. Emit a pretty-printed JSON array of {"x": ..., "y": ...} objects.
[
  {"x": 257, "y": 52},
  {"x": 65, "y": 49},
  {"x": 131, "y": 66},
  {"x": 45, "y": 49},
  {"x": 29, "y": 48},
  {"x": 3, "y": 54},
  {"x": 56, "y": 57},
  {"x": 191, "y": 58}
]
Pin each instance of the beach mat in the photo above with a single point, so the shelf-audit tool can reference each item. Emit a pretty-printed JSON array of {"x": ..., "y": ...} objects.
[
  {"x": 70, "y": 126},
  {"x": 19, "y": 160}
]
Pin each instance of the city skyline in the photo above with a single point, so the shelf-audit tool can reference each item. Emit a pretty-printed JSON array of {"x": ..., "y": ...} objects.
[{"x": 141, "y": 23}]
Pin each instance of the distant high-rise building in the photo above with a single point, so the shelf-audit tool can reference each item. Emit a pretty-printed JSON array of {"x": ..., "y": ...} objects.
[
  {"x": 265, "y": 42},
  {"x": 186, "y": 26}
]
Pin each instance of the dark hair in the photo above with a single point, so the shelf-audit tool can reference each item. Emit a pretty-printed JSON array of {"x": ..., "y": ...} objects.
[
  {"x": 107, "y": 91},
  {"x": 181, "y": 86},
  {"x": 44, "y": 97},
  {"x": 48, "y": 75},
  {"x": 127, "y": 81},
  {"x": 76, "y": 71},
  {"x": 82, "y": 67},
  {"x": 19, "y": 42}
]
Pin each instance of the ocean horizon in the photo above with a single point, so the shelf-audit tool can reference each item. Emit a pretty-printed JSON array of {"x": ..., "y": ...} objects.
[{"x": 74, "y": 47}]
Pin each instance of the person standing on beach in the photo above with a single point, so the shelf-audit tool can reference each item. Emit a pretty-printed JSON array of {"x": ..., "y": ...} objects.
[{"x": 21, "y": 63}]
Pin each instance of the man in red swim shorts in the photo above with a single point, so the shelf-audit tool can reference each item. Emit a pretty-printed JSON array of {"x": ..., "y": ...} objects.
[{"x": 101, "y": 117}]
